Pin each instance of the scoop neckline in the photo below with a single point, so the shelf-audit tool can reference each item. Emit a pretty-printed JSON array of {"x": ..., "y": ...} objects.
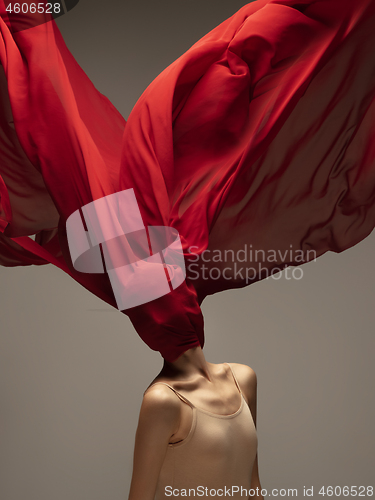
[
  {"x": 193, "y": 407},
  {"x": 219, "y": 415}
]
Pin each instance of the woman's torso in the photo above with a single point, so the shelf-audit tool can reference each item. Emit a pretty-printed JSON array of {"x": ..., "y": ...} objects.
[{"x": 213, "y": 451}]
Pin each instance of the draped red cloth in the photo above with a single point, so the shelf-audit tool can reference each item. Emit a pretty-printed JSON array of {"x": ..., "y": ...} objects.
[{"x": 261, "y": 137}]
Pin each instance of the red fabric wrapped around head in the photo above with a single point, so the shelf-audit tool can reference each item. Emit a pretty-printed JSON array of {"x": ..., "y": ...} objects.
[{"x": 259, "y": 141}]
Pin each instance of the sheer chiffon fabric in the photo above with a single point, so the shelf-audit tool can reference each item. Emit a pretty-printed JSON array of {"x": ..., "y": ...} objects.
[{"x": 260, "y": 137}]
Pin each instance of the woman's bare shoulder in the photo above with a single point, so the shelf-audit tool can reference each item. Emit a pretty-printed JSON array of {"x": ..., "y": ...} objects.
[
  {"x": 160, "y": 395},
  {"x": 160, "y": 404},
  {"x": 244, "y": 371},
  {"x": 247, "y": 380}
]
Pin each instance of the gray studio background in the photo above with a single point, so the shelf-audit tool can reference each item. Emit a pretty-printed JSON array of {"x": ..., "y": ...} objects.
[{"x": 72, "y": 369}]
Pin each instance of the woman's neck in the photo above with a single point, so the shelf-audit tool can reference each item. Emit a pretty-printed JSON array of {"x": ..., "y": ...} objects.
[{"x": 190, "y": 363}]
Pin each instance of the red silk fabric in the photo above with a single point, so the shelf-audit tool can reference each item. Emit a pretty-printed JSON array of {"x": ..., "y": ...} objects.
[{"x": 261, "y": 136}]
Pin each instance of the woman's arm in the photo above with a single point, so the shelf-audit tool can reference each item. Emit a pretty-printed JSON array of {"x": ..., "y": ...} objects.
[
  {"x": 159, "y": 419},
  {"x": 247, "y": 379}
]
